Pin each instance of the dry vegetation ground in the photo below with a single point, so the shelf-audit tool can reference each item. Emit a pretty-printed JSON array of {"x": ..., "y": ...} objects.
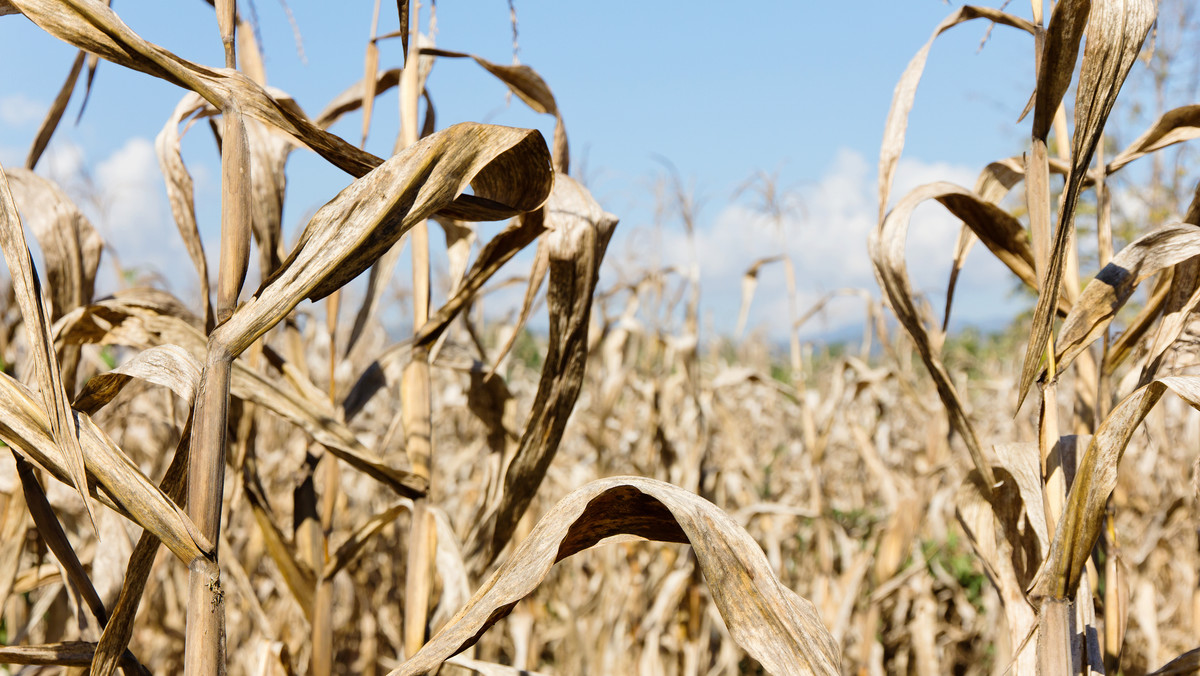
[{"x": 615, "y": 496}]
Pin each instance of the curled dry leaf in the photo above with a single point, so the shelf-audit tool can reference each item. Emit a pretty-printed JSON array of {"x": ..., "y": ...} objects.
[
  {"x": 775, "y": 626},
  {"x": 507, "y": 168},
  {"x": 1116, "y": 29},
  {"x": 530, "y": 88},
  {"x": 1107, "y": 293},
  {"x": 579, "y": 234},
  {"x": 1002, "y": 234},
  {"x": 170, "y": 366},
  {"x": 1084, "y": 515},
  {"x": 1175, "y": 126},
  {"x": 180, "y": 190},
  {"x": 906, "y": 92}
]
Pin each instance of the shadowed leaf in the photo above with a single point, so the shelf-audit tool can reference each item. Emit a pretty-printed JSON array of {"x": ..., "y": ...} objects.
[{"x": 778, "y": 628}]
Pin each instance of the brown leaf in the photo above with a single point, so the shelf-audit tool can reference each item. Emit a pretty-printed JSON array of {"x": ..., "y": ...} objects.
[
  {"x": 96, "y": 29},
  {"x": 579, "y": 234},
  {"x": 1107, "y": 293},
  {"x": 236, "y": 198},
  {"x": 530, "y": 88},
  {"x": 1003, "y": 235},
  {"x": 180, "y": 190},
  {"x": 1175, "y": 126},
  {"x": 170, "y": 366},
  {"x": 70, "y": 245},
  {"x": 906, "y": 91},
  {"x": 506, "y": 244},
  {"x": 507, "y": 168},
  {"x": 774, "y": 625}
]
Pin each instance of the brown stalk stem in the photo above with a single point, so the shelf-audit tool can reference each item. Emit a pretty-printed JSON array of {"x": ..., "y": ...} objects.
[
  {"x": 204, "y": 651},
  {"x": 322, "y": 624},
  {"x": 417, "y": 413},
  {"x": 1055, "y": 641},
  {"x": 226, "y": 21},
  {"x": 1054, "y": 487}
]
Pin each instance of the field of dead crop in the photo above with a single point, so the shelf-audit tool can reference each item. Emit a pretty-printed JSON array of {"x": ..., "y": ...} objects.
[{"x": 263, "y": 480}]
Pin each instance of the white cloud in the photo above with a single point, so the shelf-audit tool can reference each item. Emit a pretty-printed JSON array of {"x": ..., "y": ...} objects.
[
  {"x": 826, "y": 239},
  {"x": 18, "y": 110},
  {"x": 124, "y": 197}
]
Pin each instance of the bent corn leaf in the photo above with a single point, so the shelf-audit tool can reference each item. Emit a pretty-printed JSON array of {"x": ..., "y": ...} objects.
[
  {"x": 509, "y": 170},
  {"x": 775, "y": 626}
]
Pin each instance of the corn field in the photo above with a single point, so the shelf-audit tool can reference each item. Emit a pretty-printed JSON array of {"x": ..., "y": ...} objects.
[{"x": 256, "y": 484}]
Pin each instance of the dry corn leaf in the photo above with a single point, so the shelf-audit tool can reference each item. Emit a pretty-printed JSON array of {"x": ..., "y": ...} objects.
[
  {"x": 1081, "y": 521},
  {"x": 269, "y": 150},
  {"x": 26, "y": 429},
  {"x": 68, "y": 654},
  {"x": 28, "y": 291},
  {"x": 1175, "y": 126},
  {"x": 300, "y": 580},
  {"x": 1116, "y": 29},
  {"x": 774, "y": 625},
  {"x": 52, "y": 533},
  {"x": 579, "y": 234},
  {"x": 1181, "y": 301},
  {"x": 170, "y": 366},
  {"x": 537, "y": 275},
  {"x": 236, "y": 197},
  {"x": 749, "y": 284},
  {"x": 906, "y": 91},
  {"x": 1056, "y": 63},
  {"x": 530, "y": 88},
  {"x": 507, "y": 168},
  {"x": 992, "y": 537},
  {"x": 1107, "y": 293},
  {"x": 352, "y": 99},
  {"x": 70, "y": 245},
  {"x": 1186, "y": 664},
  {"x": 1003, "y": 235},
  {"x": 180, "y": 190},
  {"x": 1127, "y": 342}
]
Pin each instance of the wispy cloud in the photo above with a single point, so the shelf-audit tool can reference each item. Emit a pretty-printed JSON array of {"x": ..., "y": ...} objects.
[
  {"x": 18, "y": 110},
  {"x": 825, "y": 234}
]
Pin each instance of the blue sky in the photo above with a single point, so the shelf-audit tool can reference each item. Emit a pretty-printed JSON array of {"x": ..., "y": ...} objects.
[{"x": 796, "y": 89}]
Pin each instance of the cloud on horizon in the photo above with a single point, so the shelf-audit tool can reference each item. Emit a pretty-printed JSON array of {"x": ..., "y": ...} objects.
[{"x": 825, "y": 235}]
